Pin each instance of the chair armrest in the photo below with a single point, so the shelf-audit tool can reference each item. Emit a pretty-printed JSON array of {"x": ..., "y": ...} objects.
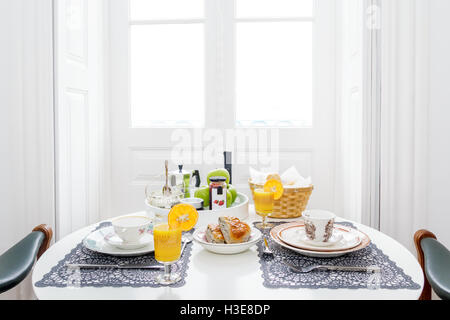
[
  {"x": 48, "y": 235},
  {"x": 437, "y": 266},
  {"x": 418, "y": 237}
]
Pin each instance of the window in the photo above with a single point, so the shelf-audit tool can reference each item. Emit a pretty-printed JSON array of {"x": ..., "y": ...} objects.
[
  {"x": 191, "y": 60},
  {"x": 167, "y": 62},
  {"x": 274, "y": 62},
  {"x": 196, "y": 65}
]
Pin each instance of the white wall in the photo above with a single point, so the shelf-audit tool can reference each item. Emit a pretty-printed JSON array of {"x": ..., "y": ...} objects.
[
  {"x": 439, "y": 121},
  {"x": 26, "y": 122}
]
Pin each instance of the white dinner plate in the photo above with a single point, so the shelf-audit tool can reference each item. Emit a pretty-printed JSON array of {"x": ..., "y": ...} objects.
[
  {"x": 219, "y": 248},
  {"x": 365, "y": 241},
  {"x": 95, "y": 241},
  {"x": 343, "y": 238}
]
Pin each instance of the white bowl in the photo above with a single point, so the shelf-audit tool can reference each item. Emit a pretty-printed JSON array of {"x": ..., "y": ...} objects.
[
  {"x": 238, "y": 209},
  {"x": 235, "y": 248}
]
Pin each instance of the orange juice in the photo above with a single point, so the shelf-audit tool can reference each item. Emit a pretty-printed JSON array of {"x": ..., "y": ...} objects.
[
  {"x": 167, "y": 243},
  {"x": 263, "y": 202}
]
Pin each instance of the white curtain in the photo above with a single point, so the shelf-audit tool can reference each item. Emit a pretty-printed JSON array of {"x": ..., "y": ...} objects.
[
  {"x": 404, "y": 118},
  {"x": 350, "y": 51},
  {"x": 438, "y": 215},
  {"x": 26, "y": 123}
]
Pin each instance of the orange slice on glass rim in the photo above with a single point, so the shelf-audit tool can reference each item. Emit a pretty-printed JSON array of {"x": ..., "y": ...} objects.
[
  {"x": 274, "y": 186},
  {"x": 183, "y": 216}
]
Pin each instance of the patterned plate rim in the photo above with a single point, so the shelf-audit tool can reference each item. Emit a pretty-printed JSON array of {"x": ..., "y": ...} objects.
[
  {"x": 323, "y": 249},
  {"x": 273, "y": 234}
]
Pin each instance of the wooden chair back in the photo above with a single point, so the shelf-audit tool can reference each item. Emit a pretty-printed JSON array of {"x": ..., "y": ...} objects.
[{"x": 423, "y": 234}]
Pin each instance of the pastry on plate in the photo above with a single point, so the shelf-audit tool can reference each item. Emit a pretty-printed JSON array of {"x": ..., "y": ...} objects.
[
  {"x": 213, "y": 234},
  {"x": 234, "y": 230}
]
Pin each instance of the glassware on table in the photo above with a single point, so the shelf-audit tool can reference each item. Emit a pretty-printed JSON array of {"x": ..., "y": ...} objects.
[
  {"x": 156, "y": 198},
  {"x": 168, "y": 237},
  {"x": 264, "y": 201},
  {"x": 161, "y": 203},
  {"x": 167, "y": 251}
]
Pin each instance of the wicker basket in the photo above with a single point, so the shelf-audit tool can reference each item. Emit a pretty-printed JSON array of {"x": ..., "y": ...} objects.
[{"x": 292, "y": 203}]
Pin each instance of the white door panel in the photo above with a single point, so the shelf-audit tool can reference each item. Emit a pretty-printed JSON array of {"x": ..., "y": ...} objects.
[{"x": 78, "y": 100}]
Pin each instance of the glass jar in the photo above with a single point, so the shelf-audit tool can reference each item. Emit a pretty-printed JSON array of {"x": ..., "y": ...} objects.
[{"x": 217, "y": 193}]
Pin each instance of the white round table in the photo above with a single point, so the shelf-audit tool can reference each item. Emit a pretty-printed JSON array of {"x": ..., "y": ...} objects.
[{"x": 219, "y": 277}]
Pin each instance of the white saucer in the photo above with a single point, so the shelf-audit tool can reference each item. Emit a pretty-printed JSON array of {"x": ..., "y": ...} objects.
[
  {"x": 95, "y": 241},
  {"x": 342, "y": 239},
  {"x": 114, "y": 240},
  {"x": 334, "y": 239}
]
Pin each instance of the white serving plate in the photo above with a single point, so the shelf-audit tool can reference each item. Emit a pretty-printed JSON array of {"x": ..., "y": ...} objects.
[
  {"x": 228, "y": 249},
  {"x": 238, "y": 209},
  {"x": 365, "y": 241},
  {"x": 95, "y": 241}
]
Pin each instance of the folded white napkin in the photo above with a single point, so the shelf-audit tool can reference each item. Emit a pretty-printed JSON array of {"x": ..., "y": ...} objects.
[
  {"x": 291, "y": 178},
  {"x": 258, "y": 177}
]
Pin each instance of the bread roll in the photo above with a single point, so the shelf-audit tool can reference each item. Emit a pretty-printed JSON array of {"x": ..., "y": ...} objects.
[
  {"x": 234, "y": 230},
  {"x": 213, "y": 234}
]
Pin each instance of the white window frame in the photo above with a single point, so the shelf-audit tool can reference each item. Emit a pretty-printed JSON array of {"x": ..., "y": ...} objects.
[
  {"x": 220, "y": 64},
  {"x": 142, "y": 149}
]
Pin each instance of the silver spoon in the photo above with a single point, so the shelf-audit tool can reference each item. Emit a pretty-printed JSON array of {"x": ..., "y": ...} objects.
[
  {"x": 187, "y": 238},
  {"x": 166, "y": 189}
]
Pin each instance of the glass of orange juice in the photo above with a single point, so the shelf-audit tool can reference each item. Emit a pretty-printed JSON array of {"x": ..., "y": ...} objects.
[
  {"x": 167, "y": 251},
  {"x": 263, "y": 206}
]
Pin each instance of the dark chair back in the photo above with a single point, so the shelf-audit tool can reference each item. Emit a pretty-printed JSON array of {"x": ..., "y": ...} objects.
[
  {"x": 434, "y": 259},
  {"x": 17, "y": 262}
]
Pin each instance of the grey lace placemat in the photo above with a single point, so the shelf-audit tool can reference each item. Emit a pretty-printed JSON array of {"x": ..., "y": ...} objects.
[
  {"x": 277, "y": 275},
  {"x": 62, "y": 276}
]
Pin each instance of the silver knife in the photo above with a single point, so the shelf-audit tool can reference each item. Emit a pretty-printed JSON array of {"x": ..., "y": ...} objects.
[{"x": 112, "y": 266}]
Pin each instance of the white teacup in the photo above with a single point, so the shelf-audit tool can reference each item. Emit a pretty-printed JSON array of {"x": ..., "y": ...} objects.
[
  {"x": 319, "y": 225},
  {"x": 131, "y": 229}
]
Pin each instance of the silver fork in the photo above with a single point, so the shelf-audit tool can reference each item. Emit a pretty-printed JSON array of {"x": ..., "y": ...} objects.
[{"x": 298, "y": 269}]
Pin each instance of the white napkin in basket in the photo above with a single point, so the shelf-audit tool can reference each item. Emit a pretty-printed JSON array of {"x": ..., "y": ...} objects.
[{"x": 291, "y": 178}]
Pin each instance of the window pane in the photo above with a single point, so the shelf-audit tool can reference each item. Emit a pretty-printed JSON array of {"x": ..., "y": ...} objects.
[
  {"x": 274, "y": 8},
  {"x": 167, "y": 75},
  {"x": 166, "y": 9},
  {"x": 274, "y": 73}
]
